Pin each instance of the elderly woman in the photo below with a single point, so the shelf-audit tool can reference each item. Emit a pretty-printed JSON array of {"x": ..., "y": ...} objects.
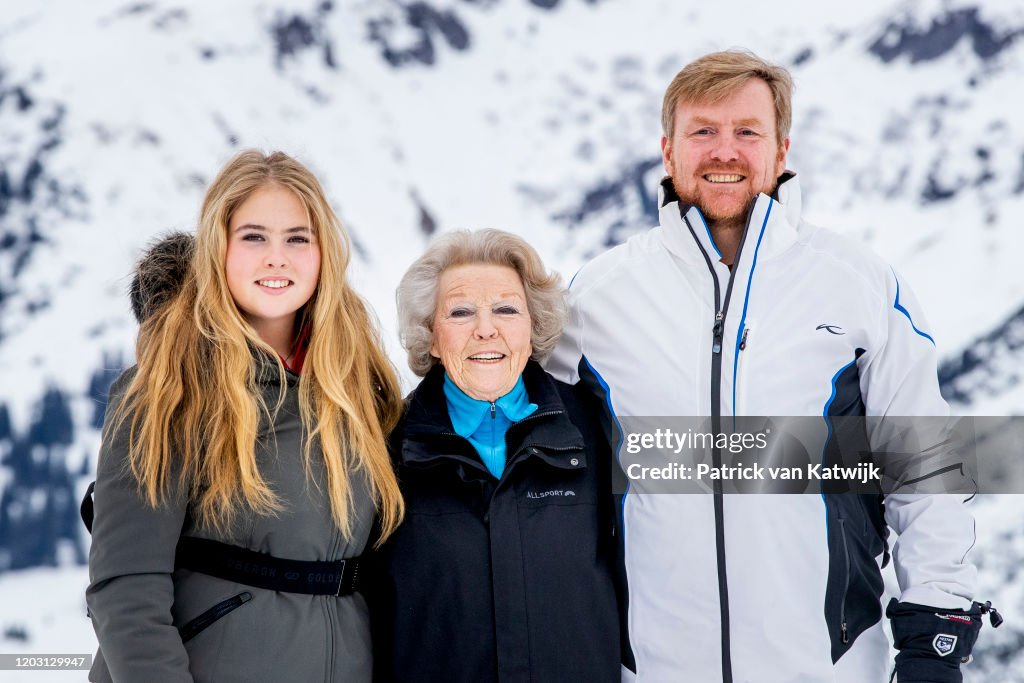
[{"x": 504, "y": 566}]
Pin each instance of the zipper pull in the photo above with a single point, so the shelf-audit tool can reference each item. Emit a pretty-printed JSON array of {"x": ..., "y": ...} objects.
[
  {"x": 492, "y": 410},
  {"x": 844, "y": 635},
  {"x": 743, "y": 341},
  {"x": 716, "y": 333}
]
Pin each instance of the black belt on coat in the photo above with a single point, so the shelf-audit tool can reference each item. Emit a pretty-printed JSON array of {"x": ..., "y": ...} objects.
[{"x": 260, "y": 570}]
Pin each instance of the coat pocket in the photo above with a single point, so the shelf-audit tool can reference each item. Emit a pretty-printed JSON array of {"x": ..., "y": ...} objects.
[{"x": 206, "y": 619}]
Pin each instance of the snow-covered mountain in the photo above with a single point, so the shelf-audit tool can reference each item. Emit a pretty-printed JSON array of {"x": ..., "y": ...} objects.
[{"x": 536, "y": 116}]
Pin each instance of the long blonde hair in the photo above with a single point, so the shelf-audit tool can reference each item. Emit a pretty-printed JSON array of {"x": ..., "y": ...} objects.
[{"x": 195, "y": 404}]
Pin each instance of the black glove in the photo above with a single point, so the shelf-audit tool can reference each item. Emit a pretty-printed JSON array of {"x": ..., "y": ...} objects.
[{"x": 933, "y": 642}]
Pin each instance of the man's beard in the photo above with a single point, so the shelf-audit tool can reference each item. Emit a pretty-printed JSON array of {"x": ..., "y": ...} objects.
[{"x": 736, "y": 213}]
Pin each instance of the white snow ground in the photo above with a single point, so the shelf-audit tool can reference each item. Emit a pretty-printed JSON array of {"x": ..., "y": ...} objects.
[{"x": 48, "y": 605}]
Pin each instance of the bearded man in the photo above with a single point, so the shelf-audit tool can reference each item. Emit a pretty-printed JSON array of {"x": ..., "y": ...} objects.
[{"x": 734, "y": 306}]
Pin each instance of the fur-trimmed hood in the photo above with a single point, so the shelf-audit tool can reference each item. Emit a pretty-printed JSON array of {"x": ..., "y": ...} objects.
[{"x": 160, "y": 273}]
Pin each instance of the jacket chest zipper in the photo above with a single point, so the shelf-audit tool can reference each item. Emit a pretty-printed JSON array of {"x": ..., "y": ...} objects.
[
  {"x": 739, "y": 381},
  {"x": 494, "y": 448},
  {"x": 717, "y": 333}
]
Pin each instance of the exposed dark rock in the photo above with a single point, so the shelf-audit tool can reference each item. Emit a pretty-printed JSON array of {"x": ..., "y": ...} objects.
[
  {"x": 631, "y": 180},
  {"x": 427, "y": 222},
  {"x": 34, "y": 306},
  {"x": 19, "y": 633},
  {"x": 31, "y": 195},
  {"x": 986, "y": 364},
  {"x": 136, "y": 8},
  {"x": 390, "y": 29},
  {"x": 803, "y": 56},
  {"x": 428, "y": 23},
  {"x": 903, "y": 39},
  {"x": 24, "y": 100},
  {"x": 935, "y": 191},
  {"x": 422, "y": 15},
  {"x": 170, "y": 19},
  {"x": 294, "y": 34},
  {"x": 986, "y": 176},
  {"x": 147, "y": 137},
  {"x": 230, "y": 136}
]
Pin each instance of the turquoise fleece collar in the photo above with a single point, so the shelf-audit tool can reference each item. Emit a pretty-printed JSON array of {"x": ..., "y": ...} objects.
[
  {"x": 468, "y": 413},
  {"x": 471, "y": 419}
]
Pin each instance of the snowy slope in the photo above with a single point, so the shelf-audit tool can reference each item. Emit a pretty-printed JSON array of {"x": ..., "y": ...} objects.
[{"x": 536, "y": 116}]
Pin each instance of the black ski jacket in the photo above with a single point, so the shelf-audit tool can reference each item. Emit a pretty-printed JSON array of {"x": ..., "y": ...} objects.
[{"x": 500, "y": 580}]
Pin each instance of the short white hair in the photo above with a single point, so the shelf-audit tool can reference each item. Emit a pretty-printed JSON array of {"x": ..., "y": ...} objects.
[{"x": 417, "y": 292}]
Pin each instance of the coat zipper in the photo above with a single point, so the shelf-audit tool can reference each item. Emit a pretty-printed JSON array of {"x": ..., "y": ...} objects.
[
  {"x": 844, "y": 636},
  {"x": 717, "y": 332},
  {"x": 328, "y": 606},
  {"x": 206, "y": 619},
  {"x": 740, "y": 364},
  {"x": 534, "y": 416},
  {"x": 494, "y": 415}
]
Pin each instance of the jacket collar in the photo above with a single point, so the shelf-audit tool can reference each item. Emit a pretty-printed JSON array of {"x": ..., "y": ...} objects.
[
  {"x": 551, "y": 434},
  {"x": 685, "y": 233},
  {"x": 267, "y": 372},
  {"x": 468, "y": 413}
]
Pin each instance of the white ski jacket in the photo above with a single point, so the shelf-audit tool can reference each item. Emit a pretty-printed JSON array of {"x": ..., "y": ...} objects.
[{"x": 754, "y": 587}]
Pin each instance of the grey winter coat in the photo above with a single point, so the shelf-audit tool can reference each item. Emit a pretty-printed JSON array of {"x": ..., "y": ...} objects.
[{"x": 143, "y": 609}]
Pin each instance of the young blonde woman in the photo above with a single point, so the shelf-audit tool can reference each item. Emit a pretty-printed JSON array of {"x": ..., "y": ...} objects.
[{"x": 244, "y": 462}]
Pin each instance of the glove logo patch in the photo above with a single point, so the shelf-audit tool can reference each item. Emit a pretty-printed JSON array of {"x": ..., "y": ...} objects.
[{"x": 944, "y": 644}]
